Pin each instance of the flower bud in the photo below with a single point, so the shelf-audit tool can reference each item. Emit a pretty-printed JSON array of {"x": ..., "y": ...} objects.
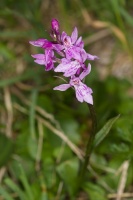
[{"x": 55, "y": 25}]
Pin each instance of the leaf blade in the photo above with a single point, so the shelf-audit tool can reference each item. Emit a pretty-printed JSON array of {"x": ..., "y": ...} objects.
[{"x": 104, "y": 131}]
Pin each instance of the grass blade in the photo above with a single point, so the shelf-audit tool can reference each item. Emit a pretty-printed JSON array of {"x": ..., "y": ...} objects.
[
  {"x": 15, "y": 189},
  {"x": 5, "y": 194},
  {"x": 26, "y": 184}
]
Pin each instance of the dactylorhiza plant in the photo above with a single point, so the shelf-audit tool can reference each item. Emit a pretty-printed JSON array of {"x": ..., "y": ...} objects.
[{"x": 67, "y": 54}]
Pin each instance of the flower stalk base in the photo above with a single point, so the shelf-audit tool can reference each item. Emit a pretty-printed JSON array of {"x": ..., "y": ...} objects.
[{"x": 89, "y": 147}]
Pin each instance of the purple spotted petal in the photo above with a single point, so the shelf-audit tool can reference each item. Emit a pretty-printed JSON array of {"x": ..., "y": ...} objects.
[
  {"x": 61, "y": 67},
  {"x": 62, "y": 87},
  {"x": 72, "y": 68},
  {"x": 85, "y": 92},
  {"x": 79, "y": 95},
  {"x": 91, "y": 57},
  {"x": 74, "y": 35},
  {"x": 85, "y": 72},
  {"x": 73, "y": 52},
  {"x": 49, "y": 55}
]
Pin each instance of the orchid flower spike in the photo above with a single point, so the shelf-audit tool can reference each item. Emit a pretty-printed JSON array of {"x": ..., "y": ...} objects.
[{"x": 66, "y": 54}]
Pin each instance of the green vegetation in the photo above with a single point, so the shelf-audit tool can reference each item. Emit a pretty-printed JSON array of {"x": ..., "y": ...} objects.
[{"x": 43, "y": 133}]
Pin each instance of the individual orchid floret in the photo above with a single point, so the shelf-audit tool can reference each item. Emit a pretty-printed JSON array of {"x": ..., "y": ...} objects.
[
  {"x": 68, "y": 41},
  {"x": 68, "y": 67},
  {"x": 83, "y": 92},
  {"x": 45, "y": 44},
  {"x": 46, "y": 59},
  {"x": 72, "y": 45}
]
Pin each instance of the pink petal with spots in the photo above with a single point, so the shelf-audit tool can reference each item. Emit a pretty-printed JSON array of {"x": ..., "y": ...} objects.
[
  {"x": 79, "y": 95},
  {"x": 72, "y": 68}
]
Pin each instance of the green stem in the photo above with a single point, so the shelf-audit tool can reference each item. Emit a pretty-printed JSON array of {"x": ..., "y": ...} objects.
[{"x": 89, "y": 146}]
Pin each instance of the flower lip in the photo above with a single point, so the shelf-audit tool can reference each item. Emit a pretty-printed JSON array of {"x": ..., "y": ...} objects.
[{"x": 75, "y": 81}]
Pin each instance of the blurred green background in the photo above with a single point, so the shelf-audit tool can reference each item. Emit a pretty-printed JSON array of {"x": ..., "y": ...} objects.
[{"x": 44, "y": 132}]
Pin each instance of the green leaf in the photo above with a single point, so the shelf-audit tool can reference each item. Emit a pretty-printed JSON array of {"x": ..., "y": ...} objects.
[
  {"x": 5, "y": 152},
  {"x": 32, "y": 146},
  {"x": 127, "y": 16},
  {"x": 94, "y": 191},
  {"x": 15, "y": 189},
  {"x": 124, "y": 128},
  {"x": 25, "y": 183},
  {"x": 5, "y": 194},
  {"x": 70, "y": 127},
  {"x": 68, "y": 172},
  {"x": 49, "y": 169},
  {"x": 104, "y": 131},
  {"x": 28, "y": 74},
  {"x": 45, "y": 102}
]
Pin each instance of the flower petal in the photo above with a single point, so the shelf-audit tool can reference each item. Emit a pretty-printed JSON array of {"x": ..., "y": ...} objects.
[
  {"x": 39, "y": 56},
  {"x": 79, "y": 95},
  {"x": 72, "y": 68},
  {"x": 73, "y": 52},
  {"x": 74, "y": 35},
  {"x": 49, "y": 55},
  {"x": 83, "y": 55},
  {"x": 84, "y": 92},
  {"x": 91, "y": 57},
  {"x": 40, "y": 62},
  {"x": 88, "y": 98},
  {"x": 38, "y": 43},
  {"x": 47, "y": 45},
  {"x": 63, "y": 66},
  {"x": 63, "y": 35},
  {"x": 80, "y": 42},
  {"x": 57, "y": 47},
  {"x": 62, "y": 87},
  {"x": 85, "y": 72},
  {"x": 49, "y": 66}
]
